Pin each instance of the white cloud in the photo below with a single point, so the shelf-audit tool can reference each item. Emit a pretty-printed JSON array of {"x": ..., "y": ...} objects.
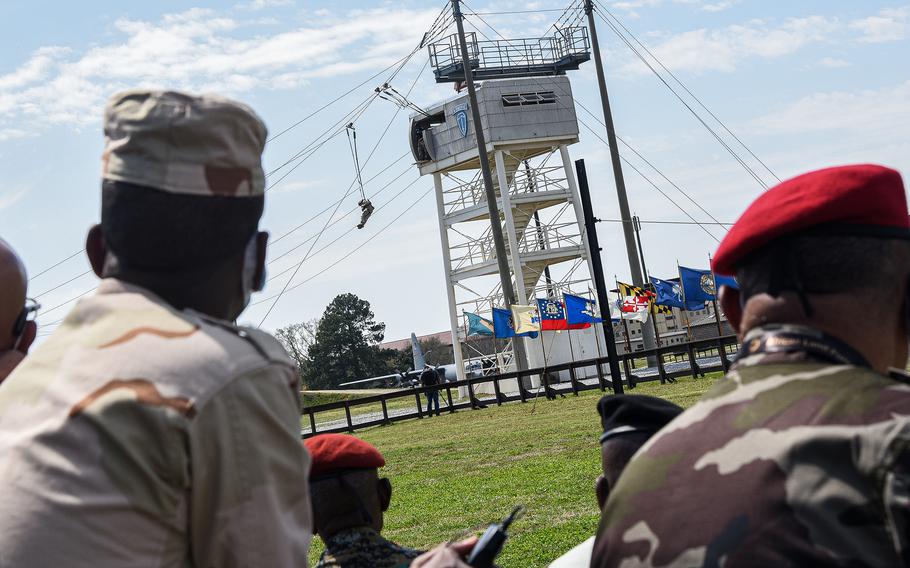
[
  {"x": 719, "y": 6},
  {"x": 723, "y": 49},
  {"x": 200, "y": 50},
  {"x": 890, "y": 24},
  {"x": 262, "y": 4},
  {"x": 871, "y": 113},
  {"x": 833, "y": 63}
]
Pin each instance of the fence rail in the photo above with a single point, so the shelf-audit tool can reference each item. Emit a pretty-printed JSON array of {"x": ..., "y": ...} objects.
[{"x": 724, "y": 346}]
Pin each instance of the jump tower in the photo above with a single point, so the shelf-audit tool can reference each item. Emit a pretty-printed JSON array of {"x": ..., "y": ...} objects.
[{"x": 529, "y": 122}]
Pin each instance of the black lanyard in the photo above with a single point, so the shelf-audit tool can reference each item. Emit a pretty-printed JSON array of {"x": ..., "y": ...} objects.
[{"x": 813, "y": 342}]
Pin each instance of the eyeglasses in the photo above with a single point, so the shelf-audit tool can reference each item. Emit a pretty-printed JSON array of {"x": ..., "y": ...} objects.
[{"x": 29, "y": 313}]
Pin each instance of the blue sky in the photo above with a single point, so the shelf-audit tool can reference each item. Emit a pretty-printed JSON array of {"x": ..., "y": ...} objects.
[{"x": 804, "y": 84}]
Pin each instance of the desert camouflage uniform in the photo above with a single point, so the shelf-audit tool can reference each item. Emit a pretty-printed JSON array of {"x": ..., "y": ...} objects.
[
  {"x": 789, "y": 461},
  {"x": 137, "y": 435},
  {"x": 364, "y": 548}
]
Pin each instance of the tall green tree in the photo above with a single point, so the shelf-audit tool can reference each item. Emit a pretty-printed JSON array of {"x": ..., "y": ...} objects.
[{"x": 345, "y": 344}]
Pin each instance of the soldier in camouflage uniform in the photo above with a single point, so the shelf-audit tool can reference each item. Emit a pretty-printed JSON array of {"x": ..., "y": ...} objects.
[
  {"x": 801, "y": 455},
  {"x": 349, "y": 499},
  {"x": 148, "y": 430}
]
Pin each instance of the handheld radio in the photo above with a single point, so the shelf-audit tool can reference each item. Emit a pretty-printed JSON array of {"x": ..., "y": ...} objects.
[{"x": 490, "y": 544}]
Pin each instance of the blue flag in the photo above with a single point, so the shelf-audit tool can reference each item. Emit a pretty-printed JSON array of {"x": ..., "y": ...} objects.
[
  {"x": 698, "y": 285},
  {"x": 722, "y": 280},
  {"x": 478, "y": 325},
  {"x": 580, "y": 310},
  {"x": 669, "y": 293},
  {"x": 503, "y": 327}
]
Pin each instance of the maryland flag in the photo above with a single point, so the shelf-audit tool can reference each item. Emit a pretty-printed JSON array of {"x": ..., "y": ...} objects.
[{"x": 641, "y": 295}]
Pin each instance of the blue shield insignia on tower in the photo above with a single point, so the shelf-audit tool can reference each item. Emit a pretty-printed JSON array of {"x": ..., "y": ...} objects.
[{"x": 460, "y": 112}]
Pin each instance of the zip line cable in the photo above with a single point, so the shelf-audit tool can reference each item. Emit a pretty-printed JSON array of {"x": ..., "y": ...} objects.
[
  {"x": 77, "y": 277},
  {"x": 351, "y": 252},
  {"x": 339, "y": 219},
  {"x": 352, "y": 144},
  {"x": 695, "y": 114},
  {"x": 637, "y": 153},
  {"x": 691, "y": 94},
  {"x": 372, "y": 152},
  {"x": 311, "y": 219},
  {"x": 58, "y": 263},
  {"x": 347, "y": 232}
]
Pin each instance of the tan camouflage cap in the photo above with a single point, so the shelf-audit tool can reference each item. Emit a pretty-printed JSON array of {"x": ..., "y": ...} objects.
[{"x": 196, "y": 145}]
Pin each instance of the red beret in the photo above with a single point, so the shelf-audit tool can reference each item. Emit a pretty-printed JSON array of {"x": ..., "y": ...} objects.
[
  {"x": 848, "y": 200},
  {"x": 336, "y": 452}
]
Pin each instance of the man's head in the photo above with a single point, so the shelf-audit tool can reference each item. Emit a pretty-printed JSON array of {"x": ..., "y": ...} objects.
[
  {"x": 829, "y": 249},
  {"x": 628, "y": 421},
  {"x": 16, "y": 331},
  {"x": 182, "y": 194},
  {"x": 345, "y": 488}
]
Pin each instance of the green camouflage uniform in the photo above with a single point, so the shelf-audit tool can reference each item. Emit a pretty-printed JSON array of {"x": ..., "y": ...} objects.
[
  {"x": 364, "y": 548},
  {"x": 139, "y": 435},
  {"x": 789, "y": 461}
]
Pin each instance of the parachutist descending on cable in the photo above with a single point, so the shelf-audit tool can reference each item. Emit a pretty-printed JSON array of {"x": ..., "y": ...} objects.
[{"x": 366, "y": 209}]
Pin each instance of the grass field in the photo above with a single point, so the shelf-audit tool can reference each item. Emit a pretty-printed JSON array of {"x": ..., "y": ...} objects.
[{"x": 455, "y": 474}]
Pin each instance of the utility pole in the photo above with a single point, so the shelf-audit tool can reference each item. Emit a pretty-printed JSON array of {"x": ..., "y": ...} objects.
[
  {"x": 505, "y": 275},
  {"x": 627, "y": 228},
  {"x": 603, "y": 299}
]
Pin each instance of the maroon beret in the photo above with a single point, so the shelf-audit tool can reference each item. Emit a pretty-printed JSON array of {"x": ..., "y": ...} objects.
[
  {"x": 863, "y": 200},
  {"x": 336, "y": 452}
]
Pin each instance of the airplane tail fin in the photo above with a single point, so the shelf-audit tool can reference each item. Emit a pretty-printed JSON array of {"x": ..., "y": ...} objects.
[{"x": 419, "y": 361}]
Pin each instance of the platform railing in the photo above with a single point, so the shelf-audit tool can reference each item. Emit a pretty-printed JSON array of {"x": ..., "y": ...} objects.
[
  {"x": 511, "y": 57},
  {"x": 389, "y": 408}
]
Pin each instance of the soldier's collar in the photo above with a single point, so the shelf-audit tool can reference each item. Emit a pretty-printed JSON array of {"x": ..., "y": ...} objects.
[{"x": 790, "y": 338}]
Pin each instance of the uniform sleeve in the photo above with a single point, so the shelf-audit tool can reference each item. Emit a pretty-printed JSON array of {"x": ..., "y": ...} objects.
[
  {"x": 249, "y": 498},
  {"x": 896, "y": 496}
]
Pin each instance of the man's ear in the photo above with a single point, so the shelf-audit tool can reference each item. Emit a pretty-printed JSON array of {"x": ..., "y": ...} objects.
[
  {"x": 95, "y": 249},
  {"x": 28, "y": 337},
  {"x": 262, "y": 244},
  {"x": 384, "y": 489},
  {"x": 602, "y": 490},
  {"x": 733, "y": 309}
]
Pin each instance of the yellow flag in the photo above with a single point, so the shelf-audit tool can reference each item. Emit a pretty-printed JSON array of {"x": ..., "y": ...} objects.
[{"x": 525, "y": 318}]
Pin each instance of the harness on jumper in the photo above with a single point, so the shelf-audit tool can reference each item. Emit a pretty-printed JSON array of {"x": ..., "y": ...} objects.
[{"x": 366, "y": 207}]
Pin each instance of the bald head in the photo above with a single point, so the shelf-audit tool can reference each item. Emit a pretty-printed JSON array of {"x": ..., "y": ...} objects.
[{"x": 13, "y": 283}]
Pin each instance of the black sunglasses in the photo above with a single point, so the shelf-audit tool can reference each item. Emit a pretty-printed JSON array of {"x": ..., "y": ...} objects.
[{"x": 28, "y": 312}]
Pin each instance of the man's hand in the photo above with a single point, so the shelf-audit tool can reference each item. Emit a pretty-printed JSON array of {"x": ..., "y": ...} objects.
[{"x": 446, "y": 555}]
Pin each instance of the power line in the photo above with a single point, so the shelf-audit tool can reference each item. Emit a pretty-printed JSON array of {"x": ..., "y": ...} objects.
[
  {"x": 627, "y": 145},
  {"x": 698, "y": 117},
  {"x": 646, "y": 178},
  {"x": 691, "y": 94},
  {"x": 655, "y": 222}
]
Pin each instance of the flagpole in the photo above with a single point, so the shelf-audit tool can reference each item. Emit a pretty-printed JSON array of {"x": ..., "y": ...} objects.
[
  {"x": 720, "y": 330},
  {"x": 625, "y": 327}
]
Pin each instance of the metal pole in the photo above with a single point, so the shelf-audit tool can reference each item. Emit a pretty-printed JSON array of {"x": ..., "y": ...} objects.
[
  {"x": 627, "y": 230},
  {"x": 614, "y": 152},
  {"x": 502, "y": 262},
  {"x": 603, "y": 300},
  {"x": 641, "y": 251},
  {"x": 450, "y": 285}
]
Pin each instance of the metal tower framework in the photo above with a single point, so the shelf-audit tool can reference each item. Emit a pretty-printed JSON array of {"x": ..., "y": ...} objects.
[{"x": 540, "y": 215}]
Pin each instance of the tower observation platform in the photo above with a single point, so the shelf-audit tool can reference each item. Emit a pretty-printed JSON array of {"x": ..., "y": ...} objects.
[{"x": 499, "y": 59}]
